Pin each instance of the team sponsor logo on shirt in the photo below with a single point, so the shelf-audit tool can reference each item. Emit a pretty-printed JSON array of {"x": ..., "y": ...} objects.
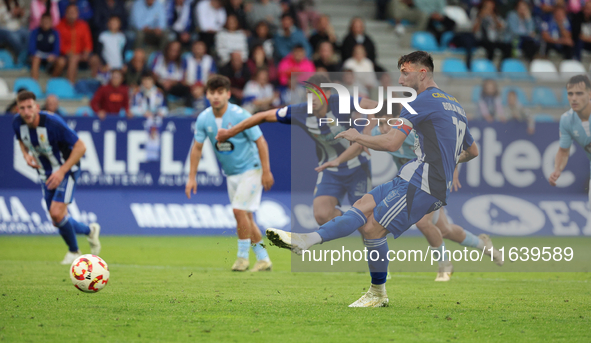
[{"x": 224, "y": 147}]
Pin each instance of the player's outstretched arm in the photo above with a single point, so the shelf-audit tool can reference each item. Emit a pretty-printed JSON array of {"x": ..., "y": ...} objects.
[
  {"x": 191, "y": 185},
  {"x": 559, "y": 164},
  {"x": 352, "y": 151},
  {"x": 390, "y": 141},
  {"x": 267, "y": 178},
  {"x": 28, "y": 158},
  {"x": 469, "y": 154},
  {"x": 56, "y": 177},
  {"x": 254, "y": 120}
]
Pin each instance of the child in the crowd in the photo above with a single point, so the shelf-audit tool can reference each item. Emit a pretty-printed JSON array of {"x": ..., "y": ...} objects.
[
  {"x": 111, "y": 49},
  {"x": 490, "y": 104},
  {"x": 516, "y": 111},
  {"x": 149, "y": 101},
  {"x": 198, "y": 100},
  {"x": 44, "y": 45}
]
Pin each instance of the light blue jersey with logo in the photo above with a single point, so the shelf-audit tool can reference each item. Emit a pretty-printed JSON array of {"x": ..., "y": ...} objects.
[
  {"x": 239, "y": 153},
  {"x": 406, "y": 151},
  {"x": 573, "y": 128}
]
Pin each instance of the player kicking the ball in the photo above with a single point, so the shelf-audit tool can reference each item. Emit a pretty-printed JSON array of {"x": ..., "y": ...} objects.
[
  {"x": 245, "y": 161},
  {"x": 54, "y": 149},
  {"x": 574, "y": 125},
  {"x": 420, "y": 187}
]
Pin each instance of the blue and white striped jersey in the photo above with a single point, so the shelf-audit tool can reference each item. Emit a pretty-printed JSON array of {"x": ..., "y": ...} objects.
[
  {"x": 327, "y": 148},
  {"x": 51, "y": 142},
  {"x": 168, "y": 71},
  {"x": 572, "y": 128}
]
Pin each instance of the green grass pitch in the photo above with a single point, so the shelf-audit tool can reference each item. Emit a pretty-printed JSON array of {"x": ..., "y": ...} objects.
[{"x": 181, "y": 289}]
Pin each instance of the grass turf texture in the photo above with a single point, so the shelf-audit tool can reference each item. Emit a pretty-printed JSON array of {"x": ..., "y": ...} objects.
[{"x": 182, "y": 289}]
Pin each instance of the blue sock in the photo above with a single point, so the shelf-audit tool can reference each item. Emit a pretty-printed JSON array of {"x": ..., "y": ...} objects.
[
  {"x": 68, "y": 234},
  {"x": 471, "y": 240},
  {"x": 79, "y": 228},
  {"x": 442, "y": 256},
  {"x": 243, "y": 247},
  {"x": 377, "y": 269},
  {"x": 260, "y": 251},
  {"x": 342, "y": 226}
]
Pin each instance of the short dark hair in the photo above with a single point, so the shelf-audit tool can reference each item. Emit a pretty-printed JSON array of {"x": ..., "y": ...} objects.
[
  {"x": 46, "y": 15},
  {"x": 575, "y": 80},
  {"x": 216, "y": 82},
  {"x": 417, "y": 57},
  {"x": 318, "y": 79},
  {"x": 25, "y": 95},
  {"x": 286, "y": 15}
]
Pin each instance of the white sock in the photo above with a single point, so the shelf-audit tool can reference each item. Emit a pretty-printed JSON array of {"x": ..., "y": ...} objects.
[
  {"x": 312, "y": 239},
  {"x": 480, "y": 245},
  {"x": 378, "y": 288}
]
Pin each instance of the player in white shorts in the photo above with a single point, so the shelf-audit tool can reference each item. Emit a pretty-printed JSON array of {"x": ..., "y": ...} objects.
[{"x": 245, "y": 161}]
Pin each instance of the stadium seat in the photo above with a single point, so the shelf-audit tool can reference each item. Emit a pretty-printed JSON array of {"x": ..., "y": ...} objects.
[
  {"x": 128, "y": 55},
  {"x": 514, "y": 69},
  {"x": 454, "y": 67},
  {"x": 446, "y": 38},
  {"x": 484, "y": 68},
  {"x": 422, "y": 40},
  {"x": 62, "y": 88},
  {"x": 521, "y": 96},
  {"x": 6, "y": 60},
  {"x": 459, "y": 16},
  {"x": 544, "y": 118},
  {"x": 84, "y": 111},
  {"x": 545, "y": 97},
  {"x": 543, "y": 70},
  {"x": 570, "y": 68},
  {"x": 5, "y": 90},
  {"x": 87, "y": 87},
  {"x": 29, "y": 84}
]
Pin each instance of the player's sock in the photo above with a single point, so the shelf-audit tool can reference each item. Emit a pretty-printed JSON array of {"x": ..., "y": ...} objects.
[
  {"x": 243, "y": 247},
  {"x": 377, "y": 269},
  {"x": 342, "y": 226},
  {"x": 68, "y": 234},
  {"x": 443, "y": 257},
  {"x": 472, "y": 241},
  {"x": 260, "y": 251},
  {"x": 80, "y": 228}
]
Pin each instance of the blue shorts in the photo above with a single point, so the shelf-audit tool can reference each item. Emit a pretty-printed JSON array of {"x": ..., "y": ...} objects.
[
  {"x": 64, "y": 192},
  {"x": 355, "y": 185},
  {"x": 401, "y": 204}
]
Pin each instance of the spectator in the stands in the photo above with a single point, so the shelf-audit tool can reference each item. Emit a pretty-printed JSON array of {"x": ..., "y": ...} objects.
[
  {"x": 180, "y": 21},
  {"x": 135, "y": 69},
  {"x": 13, "y": 28},
  {"x": 111, "y": 98},
  {"x": 438, "y": 22},
  {"x": 199, "y": 65},
  {"x": 148, "y": 19},
  {"x": 263, "y": 37},
  {"x": 38, "y": 8},
  {"x": 12, "y": 107},
  {"x": 259, "y": 94},
  {"x": 52, "y": 104},
  {"x": 556, "y": 34},
  {"x": 198, "y": 101},
  {"x": 231, "y": 38},
  {"x": 349, "y": 81},
  {"x": 287, "y": 8},
  {"x": 104, "y": 10},
  {"x": 238, "y": 73},
  {"x": 307, "y": 14},
  {"x": 362, "y": 67},
  {"x": 543, "y": 9},
  {"x": 490, "y": 105},
  {"x": 44, "y": 46},
  {"x": 517, "y": 112},
  {"x": 326, "y": 59},
  {"x": 149, "y": 101},
  {"x": 83, "y": 7},
  {"x": 288, "y": 37},
  {"x": 296, "y": 62},
  {"x": 169, "y": 71},
  {"x": 489, "y": 30},
  {"x": 265, "y": 10},
  {"x": 211, "y": 17},
  {"x": 406, "y": 10},
  {"x": 356, "y": 36},
  {"x": 258, "y": 60},
  {"x": 75, "y": 45},
  {"x": 581, "y": 30},
  {"x": 522, "y": 30},
  {"x": 112, "y": 44},
  {"x": 324, "y": 32},
  {"x": 236, "y": 7}
]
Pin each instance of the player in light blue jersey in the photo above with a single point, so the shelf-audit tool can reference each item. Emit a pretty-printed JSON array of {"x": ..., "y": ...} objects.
[
  {"x": 352, "y": 178},
  {"x": 421, "y": 186},
  {"x": 245, "y": 161},
  {"x": 574, "y": 126},
  {"x": 54, "y": 149}
]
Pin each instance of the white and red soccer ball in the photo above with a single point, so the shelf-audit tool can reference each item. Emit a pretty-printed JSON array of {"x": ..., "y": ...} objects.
[{"x": 89, "y": 273}]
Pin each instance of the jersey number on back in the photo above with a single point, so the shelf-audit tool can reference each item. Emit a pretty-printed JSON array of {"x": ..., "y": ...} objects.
[{"x": 460, "y": 132}]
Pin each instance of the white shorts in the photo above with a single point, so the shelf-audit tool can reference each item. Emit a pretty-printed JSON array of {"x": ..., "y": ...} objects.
[{"x": 245, "y": 190}]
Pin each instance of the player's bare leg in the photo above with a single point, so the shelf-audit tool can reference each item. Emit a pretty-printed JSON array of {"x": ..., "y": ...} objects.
[
  {"x": 263, "y": 262},
  {"x": 325, "y": 209},
  {"x": 244, "y": 233},
  {"x": 435, "y": 240}
]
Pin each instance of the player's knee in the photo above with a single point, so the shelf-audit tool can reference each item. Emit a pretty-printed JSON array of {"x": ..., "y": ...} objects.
[
  {"x": 372, "y": 229},
  {"x": 323, "y": 216},
  {"x": 56, "y": 214}
]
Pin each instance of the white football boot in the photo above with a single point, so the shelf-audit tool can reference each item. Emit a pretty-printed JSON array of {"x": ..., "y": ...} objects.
[
  {"x": 372, "y": 298},
  {"x": 446, "y": 269},
  {"x": 288, "y": 240},
  {"x": 496, "y": 255},
  {"x": 70, "y": 257},
  {"x": 93, "y": 238}
]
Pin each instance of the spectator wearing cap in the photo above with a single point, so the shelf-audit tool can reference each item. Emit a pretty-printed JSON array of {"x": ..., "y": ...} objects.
[
  {"x": 111, "y": 98},
  {"x": 211, "y": 17},
  {"x": 296, "y": 62},
  {"x": 264, "y": 10},
  {"x": 199, "y": 65},
  {"x": 288, "y": 37},
  {"x": 40, "y": 7},
  {"x": 44, "y": 46},
  {"x": 148, "y": 19}
]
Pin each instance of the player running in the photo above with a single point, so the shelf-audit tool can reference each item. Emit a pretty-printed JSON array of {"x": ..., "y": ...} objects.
[
  {"x": 245, "y": 161},
  {"x": 352, "y": 178},
  {"x": 54, "y": 149},
  {"x": 574, "y": 125},
  {"x": 442, "y": 227},
  {"x": 420, "y": 187}
]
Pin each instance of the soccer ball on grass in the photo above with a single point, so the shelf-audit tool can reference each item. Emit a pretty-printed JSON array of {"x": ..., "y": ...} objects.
[{"x": 89, "y": 273}]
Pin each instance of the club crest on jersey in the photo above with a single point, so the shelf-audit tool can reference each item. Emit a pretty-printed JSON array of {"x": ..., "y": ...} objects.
[{"x": 42, "y": 137}]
